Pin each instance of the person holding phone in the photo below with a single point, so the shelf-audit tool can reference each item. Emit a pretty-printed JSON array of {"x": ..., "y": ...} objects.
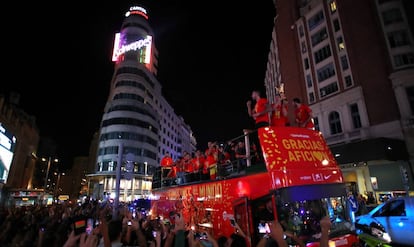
[
  {"x": 84, "y": 240},
  {"x": 276, "y": 236},
  {"x": 238, "y": 238}
]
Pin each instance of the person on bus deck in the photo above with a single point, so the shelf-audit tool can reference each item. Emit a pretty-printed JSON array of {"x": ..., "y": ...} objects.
[
  {"x": 166, "y": 164},
  {"x": 222, "y": 162},
  {"x": 260, "y": 111},
  {"x": 179, "y": 164},
  {"x": 167, "y": 161},
  {"x": 172, "y": 175},
  {"x": 303, "y": 114},
  {"x": 229, "y": 148},
  {"x": 260, "y": 114},
  {"x": 188, "y": 167},
  {"x": 210, "y": 163},
  {"x": 240, "y": 155},
  {"x": 279, "y": 112},
  {"x": 198, "y": 163}
]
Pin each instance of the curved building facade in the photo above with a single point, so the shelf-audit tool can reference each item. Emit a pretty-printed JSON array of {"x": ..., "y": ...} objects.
[{"x": 138, "y": 125}]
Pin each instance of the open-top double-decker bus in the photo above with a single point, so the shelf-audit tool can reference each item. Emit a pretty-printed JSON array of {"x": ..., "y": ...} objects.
[{"x": 299, "y": 178}]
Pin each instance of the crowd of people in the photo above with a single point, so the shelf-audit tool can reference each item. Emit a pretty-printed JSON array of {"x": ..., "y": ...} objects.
[
  {"x": 218, "y": 159},
  {"x": 216, "y": 162},
  {"x": 56, "y": 226}
]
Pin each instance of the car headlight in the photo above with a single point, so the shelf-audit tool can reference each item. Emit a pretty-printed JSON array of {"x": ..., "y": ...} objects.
[
  {"x": 380, "y": 234},
  {"x": 386, "y": 237}
]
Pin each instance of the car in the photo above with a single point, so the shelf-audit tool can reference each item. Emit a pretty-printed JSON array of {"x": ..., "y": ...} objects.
[{"x": 391, "y": 222}]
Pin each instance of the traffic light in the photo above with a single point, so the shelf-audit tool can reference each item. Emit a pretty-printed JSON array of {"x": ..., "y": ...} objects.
[{"x": 404, "y": 175}]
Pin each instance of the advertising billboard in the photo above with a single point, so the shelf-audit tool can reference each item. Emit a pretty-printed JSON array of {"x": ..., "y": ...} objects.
[
  {"x": 141, "y": 45},
  {"x": 7, "y": 145}
]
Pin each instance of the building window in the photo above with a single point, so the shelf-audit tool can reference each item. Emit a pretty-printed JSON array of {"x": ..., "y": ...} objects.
[
  {"x": 392, "y": 16},
  {"x": 311, "y": 97},
  {"x": 356, "y": 118},
  {"x": 404, "y": 59},
  {"x": 315, "y": 20},
  {"x": 316, "y": 123},
  {"x": 334, "y": 123},
  {"x": 398, "y": 38},
  {"x": 332, "y": 6},
  {"x": 336, "y": 25},
  {"x": 110, "y": 166},
  {"x": 303, "y": 47},
  {"x": 319, "y": 37},
  {"x": 326, "y": 72},
  {"x": 410, "y": 97},
  {"x": 309, "y": 80},
  {"x": 322, "y": 54},
  {"x": 348, "y": 81},
  {"x": 301, "y": 33},
  {"x": 329, "y": 89},
  {"x": 341, "y": 43},
  {"x": 306, "y": 63},
  {"x": 344, "y": 63}
]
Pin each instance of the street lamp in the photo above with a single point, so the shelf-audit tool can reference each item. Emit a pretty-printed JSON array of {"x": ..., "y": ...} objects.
[
  {"x": 49, "y": 161},
  {"x": 57, "y": 183}
]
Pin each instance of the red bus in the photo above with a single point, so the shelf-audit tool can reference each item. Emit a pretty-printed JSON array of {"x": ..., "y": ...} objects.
[{"x": 300, "y": 179}]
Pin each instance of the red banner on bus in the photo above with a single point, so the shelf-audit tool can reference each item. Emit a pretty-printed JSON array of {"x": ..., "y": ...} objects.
[{"x": 296, "y": 156}]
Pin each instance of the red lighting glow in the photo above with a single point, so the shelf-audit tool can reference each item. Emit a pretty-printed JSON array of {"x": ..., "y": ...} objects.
[{"x": 243, "y": 188}]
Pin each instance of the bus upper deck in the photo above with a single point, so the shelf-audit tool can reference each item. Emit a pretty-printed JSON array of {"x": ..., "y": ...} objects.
[{"x": 299, "y": 176}]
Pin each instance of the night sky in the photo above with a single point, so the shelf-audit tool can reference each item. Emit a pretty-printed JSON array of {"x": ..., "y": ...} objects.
[{"x": 210, "y": 59}]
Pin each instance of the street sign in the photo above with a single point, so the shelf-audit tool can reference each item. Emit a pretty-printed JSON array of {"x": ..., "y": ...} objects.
[{"x": 353, "y": 203}]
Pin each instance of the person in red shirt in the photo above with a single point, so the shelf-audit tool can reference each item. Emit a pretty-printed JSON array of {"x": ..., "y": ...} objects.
[
  {"x": 210, "y": 164},
  {"x": 166, "y": 161},
  {"x": 188, "y": 167},
  {"x": 303, "y": 114},
  {"x": 260, "y": 111},
  {"x": 198, "y": 163},
  {"x": 261, "y": 115},
  {"x": 279, "y": 112},
  {"x": 166, "y": 164},
  {"x": 171, "y": 175},
  {"x": 180, "y": 172}
]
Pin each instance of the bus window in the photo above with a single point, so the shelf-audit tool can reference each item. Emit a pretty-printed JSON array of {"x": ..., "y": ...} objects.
[
  {"x": 241, "y": 216},
  {"x": 262, "y": 213},
  {"x": 302, "y": 217}
]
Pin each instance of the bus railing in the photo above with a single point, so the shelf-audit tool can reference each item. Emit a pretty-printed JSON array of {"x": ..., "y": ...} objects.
[{"x": 230, "y": 168}]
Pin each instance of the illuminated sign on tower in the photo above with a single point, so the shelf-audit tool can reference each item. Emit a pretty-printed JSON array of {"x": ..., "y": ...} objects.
[
  {"x": 142, "y": 45},
  {"x": 137, "y": 10}
]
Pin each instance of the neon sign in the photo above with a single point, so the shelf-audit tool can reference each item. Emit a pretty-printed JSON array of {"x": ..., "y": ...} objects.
[
  {"x": 134, "y": 46},
  {"x": 136, "y": 10}
]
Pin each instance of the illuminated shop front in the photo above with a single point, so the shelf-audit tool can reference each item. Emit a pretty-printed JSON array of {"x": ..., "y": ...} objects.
[
  {"x": 130, "y": 189},
  {"x": 374, "y": 166}
]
